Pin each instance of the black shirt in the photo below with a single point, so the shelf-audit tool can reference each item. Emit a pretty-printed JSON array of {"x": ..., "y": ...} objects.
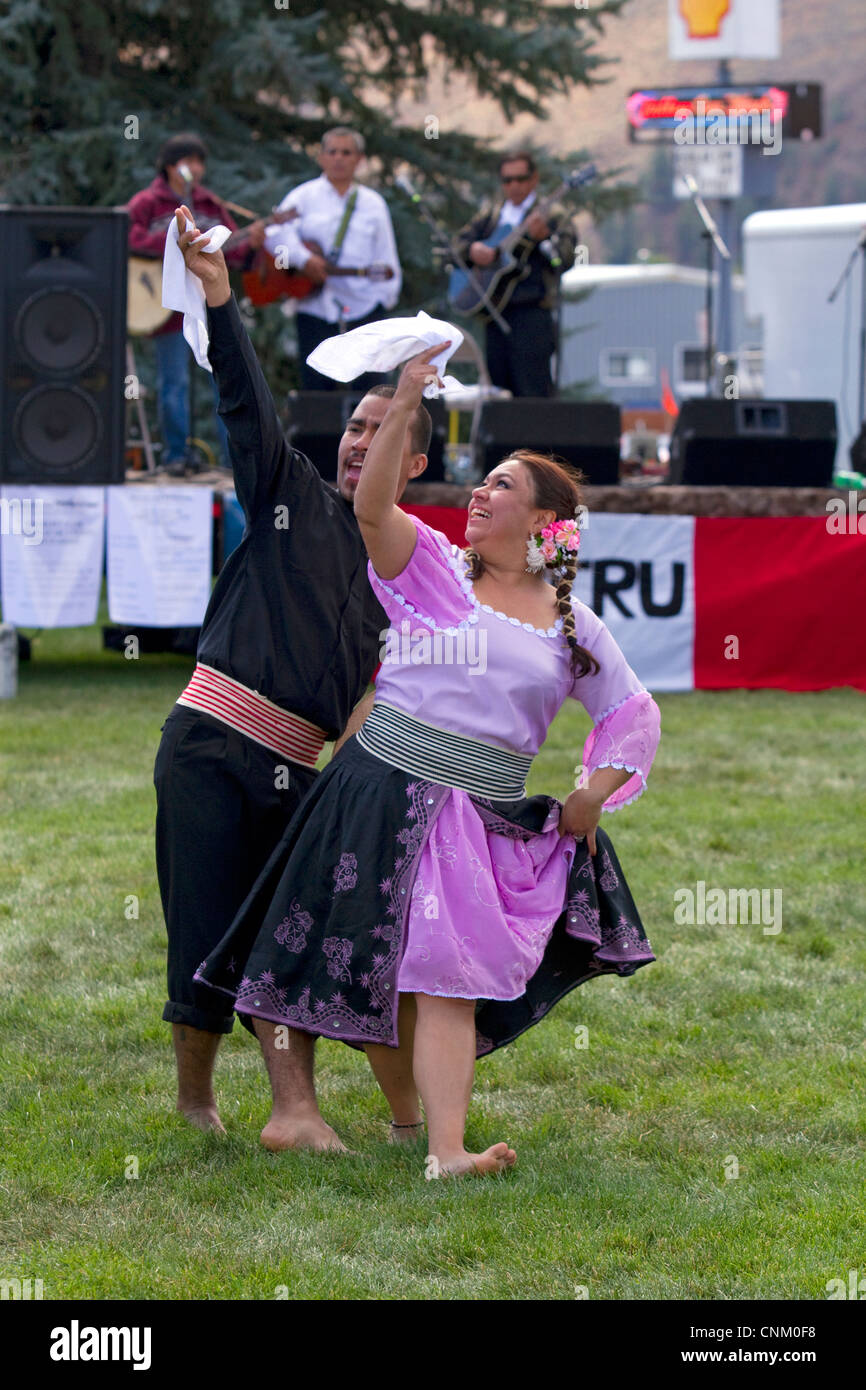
[{"x": 292, "y": 614}]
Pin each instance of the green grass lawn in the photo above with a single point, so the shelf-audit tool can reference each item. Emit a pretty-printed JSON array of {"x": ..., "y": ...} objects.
[{"x": 738, "y": 1051}]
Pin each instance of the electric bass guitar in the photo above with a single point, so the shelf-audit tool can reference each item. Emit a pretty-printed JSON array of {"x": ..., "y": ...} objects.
[{"x": 495, "y": 284}]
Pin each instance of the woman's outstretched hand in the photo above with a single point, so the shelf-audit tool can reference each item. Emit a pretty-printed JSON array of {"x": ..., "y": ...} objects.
[
  {"x": 209, "y": 266},
  {"x": 581, "y": 815},
  {"x": 418, "y": 373}
]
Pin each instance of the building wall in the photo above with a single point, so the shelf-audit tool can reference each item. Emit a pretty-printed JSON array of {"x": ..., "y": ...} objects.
[{"x": 658, "y": 316}]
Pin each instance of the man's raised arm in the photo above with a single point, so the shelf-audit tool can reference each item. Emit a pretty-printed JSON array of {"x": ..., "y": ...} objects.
[{"x": 258, "y": 448}]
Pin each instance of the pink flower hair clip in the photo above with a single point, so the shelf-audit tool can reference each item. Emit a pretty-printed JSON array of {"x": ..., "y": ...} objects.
[{"x": 553, "y": 547}]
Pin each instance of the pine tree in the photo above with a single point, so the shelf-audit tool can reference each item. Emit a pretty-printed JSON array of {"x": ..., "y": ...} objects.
[{"x": 89, "y": 91}]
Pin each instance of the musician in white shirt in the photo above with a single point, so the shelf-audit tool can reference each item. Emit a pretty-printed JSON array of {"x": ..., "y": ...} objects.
[{"x": 368, "y": 241}]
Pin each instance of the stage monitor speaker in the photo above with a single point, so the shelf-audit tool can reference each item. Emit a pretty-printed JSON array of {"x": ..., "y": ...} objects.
[
  {"x": 754, "y": 443},
  {"x": 63, "y": 344},
  {"x": 584, "y": 433},
  {"x": 317, "y": 420}
]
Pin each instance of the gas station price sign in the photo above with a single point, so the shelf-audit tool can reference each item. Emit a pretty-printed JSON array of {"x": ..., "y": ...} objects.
[{"x": 657, "y": 113}]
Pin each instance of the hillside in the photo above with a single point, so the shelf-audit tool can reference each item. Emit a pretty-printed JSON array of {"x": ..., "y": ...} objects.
[{"x": 820, "y": 43}]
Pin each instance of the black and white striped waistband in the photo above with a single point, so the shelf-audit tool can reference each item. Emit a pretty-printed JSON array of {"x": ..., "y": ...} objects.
[{"x": 438, "y": 755}]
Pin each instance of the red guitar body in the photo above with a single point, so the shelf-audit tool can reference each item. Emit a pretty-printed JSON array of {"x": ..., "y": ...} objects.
[{"x": 264, "y": 282}]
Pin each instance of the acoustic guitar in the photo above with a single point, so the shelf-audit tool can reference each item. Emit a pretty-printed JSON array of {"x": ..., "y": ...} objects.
[
  {"x": 496, "y": 283},
  {"x": 265, "y": 282},
  {"x": 144, "y": 308}
]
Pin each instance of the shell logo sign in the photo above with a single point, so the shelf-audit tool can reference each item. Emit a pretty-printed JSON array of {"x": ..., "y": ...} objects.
[
  {"x": 724, "y": 29},
  {"x": 704, "y": 17}
]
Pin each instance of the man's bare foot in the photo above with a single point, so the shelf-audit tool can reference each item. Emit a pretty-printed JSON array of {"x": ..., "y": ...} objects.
[
  {"x": 204, "y": 1117},
  {"x": 497, "y": 1159},
  {"x": 307, "y": 1133},
  {"x": 405, "y": 1133}
]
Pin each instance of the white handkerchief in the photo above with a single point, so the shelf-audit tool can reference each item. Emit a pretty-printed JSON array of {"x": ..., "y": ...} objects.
[
  {"x": 381, "y": 346},
  {"x": 183, "y": 291}
]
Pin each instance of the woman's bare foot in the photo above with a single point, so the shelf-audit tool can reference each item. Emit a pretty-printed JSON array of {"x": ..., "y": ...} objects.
[
  {"x": 308, "y": 1132},
  {"x": 405, "y": 1133},
  {"x": 497, "y": 1159},
  {"x": 204, "y": 1117}
]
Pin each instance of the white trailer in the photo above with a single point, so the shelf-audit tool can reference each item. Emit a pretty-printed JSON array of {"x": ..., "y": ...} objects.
[{"x": 811, "y": 349}]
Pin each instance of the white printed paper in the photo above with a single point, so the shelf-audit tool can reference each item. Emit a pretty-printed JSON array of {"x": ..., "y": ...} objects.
[
  {"x": 159, "y": 555},
  {"x": 51, "y": 554}
]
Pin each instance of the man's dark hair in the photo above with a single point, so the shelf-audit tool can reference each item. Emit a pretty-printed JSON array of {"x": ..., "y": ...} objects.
[
  {"x": 514, "y": 155},
  {"x": 422, "y": 424},
  {"x": 180, "y": 147}
]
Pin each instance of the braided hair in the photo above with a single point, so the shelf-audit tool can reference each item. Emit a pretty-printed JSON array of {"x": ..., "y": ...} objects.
[{"x": 557, "y": 489}]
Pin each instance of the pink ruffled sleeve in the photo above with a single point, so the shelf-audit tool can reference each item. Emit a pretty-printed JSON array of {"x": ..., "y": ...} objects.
[
  {"x": 625, "y": 716},
  {"x": 432, "y": 589}
]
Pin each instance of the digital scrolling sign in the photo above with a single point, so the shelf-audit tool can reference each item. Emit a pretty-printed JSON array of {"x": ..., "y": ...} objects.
[{"x": 664, "y": 113}]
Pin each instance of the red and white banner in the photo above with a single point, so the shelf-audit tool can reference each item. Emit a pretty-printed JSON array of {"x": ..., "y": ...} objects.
[{"x": 712, "y": 603}]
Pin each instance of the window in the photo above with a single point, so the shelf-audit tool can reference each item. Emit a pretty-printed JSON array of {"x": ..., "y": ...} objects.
[
  {"x": 627, "y": 367},
  {"x": 691, "y": 364}
]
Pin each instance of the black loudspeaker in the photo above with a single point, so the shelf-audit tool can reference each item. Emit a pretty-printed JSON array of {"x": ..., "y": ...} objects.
[
  {"x": 435, "y": 470},
  {"x": 754, "y": 443},
  {"x": 62, "y": 345},
  {"x": 317, "y": 420},
  {"x": 584, "y": 433}
]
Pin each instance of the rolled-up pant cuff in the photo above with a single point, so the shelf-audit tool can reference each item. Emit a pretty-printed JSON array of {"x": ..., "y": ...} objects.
[{"x": 198, "y": 1018}]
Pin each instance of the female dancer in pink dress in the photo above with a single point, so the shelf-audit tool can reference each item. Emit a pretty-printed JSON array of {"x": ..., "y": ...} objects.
[{"x": 421, "y": 905}]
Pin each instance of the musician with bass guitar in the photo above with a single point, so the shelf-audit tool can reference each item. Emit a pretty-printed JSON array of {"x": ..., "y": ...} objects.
[
  {"x": 354, "y": 275},
  {"x": 518, "y": 360},
  {"x": 181, "y": 168}
]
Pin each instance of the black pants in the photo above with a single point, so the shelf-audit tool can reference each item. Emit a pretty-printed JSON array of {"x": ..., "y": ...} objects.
[
  {"x": 219, "y": 816},
  {"x": 311, "y": 332},
  {"x": 519, "y": 361}
]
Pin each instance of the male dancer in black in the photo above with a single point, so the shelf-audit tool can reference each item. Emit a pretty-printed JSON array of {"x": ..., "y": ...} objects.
[{"x": 289, "y": 643}]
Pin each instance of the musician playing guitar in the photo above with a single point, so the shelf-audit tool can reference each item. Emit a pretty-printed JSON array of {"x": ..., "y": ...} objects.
[
  {"x": 519, "y": 361},
  {"x": 352, "y": 225},
  {"x": 181, "y": 168}
]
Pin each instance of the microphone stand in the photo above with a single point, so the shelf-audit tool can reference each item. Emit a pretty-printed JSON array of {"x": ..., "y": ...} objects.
[
  {"x": 857, "y": 450},
  {"x": 713, "y": 239},
  {"x": 442, "y": 246}
]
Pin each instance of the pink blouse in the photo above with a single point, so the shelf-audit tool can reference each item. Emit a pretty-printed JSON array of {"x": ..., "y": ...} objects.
[{"x": 458, "y": 664}]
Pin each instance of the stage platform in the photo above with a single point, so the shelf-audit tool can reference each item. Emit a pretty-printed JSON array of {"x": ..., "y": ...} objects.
[{"x": 645, "y": 498}]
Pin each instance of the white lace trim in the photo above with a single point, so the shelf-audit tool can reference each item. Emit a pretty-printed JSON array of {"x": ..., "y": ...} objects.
[
  {"x": 623, "y": 767},
  {"x": 457, "y": 564},
  {"x": 466, "y": 585},
  {"x": 428, "y": 622},
  {"x": 499, "y": 998},
  {"x": 611, "y": 709}
]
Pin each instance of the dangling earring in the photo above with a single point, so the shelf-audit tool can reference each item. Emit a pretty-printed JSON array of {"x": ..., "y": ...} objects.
[{"x": 534, "y": 558}]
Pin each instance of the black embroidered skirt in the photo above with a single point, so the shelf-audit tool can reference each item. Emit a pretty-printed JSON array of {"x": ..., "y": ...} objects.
[{"x": 319, "y": 941}]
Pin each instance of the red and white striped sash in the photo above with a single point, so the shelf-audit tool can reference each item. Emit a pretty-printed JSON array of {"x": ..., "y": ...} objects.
[{"x": 251, "y": 714}]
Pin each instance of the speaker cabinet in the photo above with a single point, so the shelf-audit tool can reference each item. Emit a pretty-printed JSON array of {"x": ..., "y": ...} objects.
[
  {"x": 754, "y": 443},
  {"x": 584, "y": 433},
  {"x": 62, "y": 350}
]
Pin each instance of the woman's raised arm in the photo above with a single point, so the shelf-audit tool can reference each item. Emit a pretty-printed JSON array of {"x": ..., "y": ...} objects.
[{"x": 388, "y": 532}]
